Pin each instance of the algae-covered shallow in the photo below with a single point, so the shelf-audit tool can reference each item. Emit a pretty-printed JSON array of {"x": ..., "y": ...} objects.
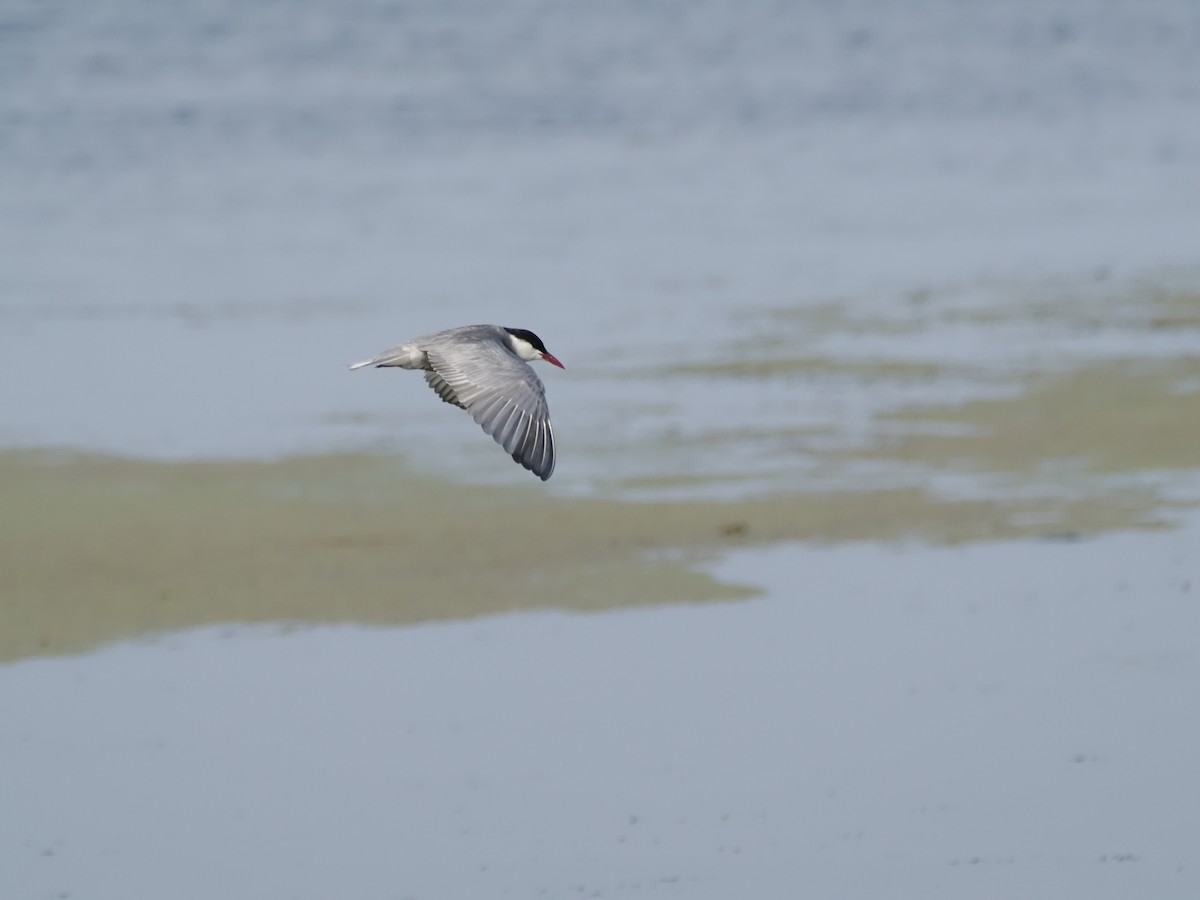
[
  {"x": 874, "y": 429},
  {"x": 95, "y": 549},
  {"x": 1120, "y": 416}
]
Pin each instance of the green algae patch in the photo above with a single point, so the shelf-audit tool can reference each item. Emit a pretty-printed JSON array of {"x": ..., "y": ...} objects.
[
  {"x": 783, "y": 367},
  {"x": 1106, "y": 418},
  {"x": 96, "y": 549}
]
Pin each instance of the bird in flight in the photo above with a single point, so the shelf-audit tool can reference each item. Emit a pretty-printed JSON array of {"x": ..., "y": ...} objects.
[{"x": 485, "y": 370}]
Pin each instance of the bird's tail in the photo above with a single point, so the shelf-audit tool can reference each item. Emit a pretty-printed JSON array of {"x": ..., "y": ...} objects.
[{"x": 404, "y": 356}]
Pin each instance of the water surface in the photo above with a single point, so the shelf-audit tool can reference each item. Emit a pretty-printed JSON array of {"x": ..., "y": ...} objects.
[{"x": 994, "y": 720}]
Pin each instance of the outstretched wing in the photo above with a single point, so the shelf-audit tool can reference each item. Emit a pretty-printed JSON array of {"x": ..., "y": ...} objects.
[{"x": 503, "y": 394}]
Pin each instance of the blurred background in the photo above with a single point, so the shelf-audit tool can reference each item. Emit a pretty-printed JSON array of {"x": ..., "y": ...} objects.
[
  {"x": 886, "y": 314},
  {"x": 210, "y": 208}
]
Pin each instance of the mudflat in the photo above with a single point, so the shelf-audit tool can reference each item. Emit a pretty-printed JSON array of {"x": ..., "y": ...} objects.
[{"x": 95, "y": 549}]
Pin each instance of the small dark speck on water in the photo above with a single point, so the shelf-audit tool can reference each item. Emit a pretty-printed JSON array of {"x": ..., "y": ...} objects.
[{"x": 1062, "y": 537}]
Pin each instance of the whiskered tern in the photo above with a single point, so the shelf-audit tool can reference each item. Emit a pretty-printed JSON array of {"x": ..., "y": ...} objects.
[{"x": 485, "y": 370}]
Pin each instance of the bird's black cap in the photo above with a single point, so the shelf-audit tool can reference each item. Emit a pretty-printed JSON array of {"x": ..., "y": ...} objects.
[{"x": 527, "y": 335}]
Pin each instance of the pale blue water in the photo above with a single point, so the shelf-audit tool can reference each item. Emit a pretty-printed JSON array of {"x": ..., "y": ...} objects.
[
  {"x": 207, "y": 210},
  {"x": 1009, "y": 720}
]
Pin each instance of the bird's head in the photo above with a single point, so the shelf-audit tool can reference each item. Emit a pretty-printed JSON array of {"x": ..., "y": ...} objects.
[{"x": 529, "y": 346}]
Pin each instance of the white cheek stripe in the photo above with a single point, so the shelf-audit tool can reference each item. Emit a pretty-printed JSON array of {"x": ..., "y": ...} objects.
[{"x": 523, "y": 348}]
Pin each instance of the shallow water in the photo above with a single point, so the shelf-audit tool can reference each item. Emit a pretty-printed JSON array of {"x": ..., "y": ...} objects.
[
  {"x": 893, "y": 284},
  {"x": 992, "y": 720}
]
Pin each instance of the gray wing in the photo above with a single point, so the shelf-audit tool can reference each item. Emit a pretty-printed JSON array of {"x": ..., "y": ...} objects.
[{"x": 503, "y": 394}]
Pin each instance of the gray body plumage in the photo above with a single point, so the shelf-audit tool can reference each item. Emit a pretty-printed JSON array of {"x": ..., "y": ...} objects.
[{"x": 476, "y": 367}]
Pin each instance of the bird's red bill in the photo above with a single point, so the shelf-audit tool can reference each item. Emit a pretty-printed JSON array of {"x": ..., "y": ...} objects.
[{"x": 550, "y": 359}]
